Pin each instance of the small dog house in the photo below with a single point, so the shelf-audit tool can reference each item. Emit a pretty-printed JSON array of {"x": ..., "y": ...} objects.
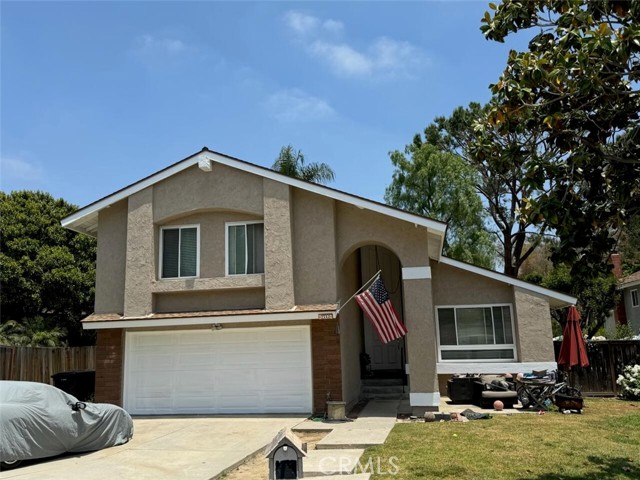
[{"x": 285, "y": 453}]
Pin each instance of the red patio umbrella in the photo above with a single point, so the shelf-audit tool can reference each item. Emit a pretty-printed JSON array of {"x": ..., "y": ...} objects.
[{"x": 573, "y": 350}]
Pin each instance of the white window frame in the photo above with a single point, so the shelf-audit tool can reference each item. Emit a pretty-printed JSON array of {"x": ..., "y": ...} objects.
[
  {"x": 494, "y": 346},
  {"x": 174, "y": 227},
  {"x": 246, "y": 257},
  {"x": 636, "y": 303}
]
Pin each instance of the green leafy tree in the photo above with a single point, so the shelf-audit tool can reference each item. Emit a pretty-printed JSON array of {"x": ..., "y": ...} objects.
[
  {"x": 577, "y": 88},
  {"x": 596, "y": 294},
  {"x": 442, "y": 186},
  {"x": 629, "y": 246},
  {"x": 47, "y": 272},
  {"x": 500, "y": 175},
  {"x": 291, "y": 162}
]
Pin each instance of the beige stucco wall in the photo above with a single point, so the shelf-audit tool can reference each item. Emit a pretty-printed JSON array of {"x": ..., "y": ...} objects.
[
  {"x": 246, "y": 298},
  {"x": 452, "y": 286},
  {"x": 222, "y": 188},
  {"x": 141, "y": 265},
  {"x": 358, "y": 227},
  {"x": 278, "y": 247},
  {"x": 111, "y": 259},
  {"x": 421, "y": 339},
  {"x": 212, "y": 238},
  {"x": 533, "y": 328},
  {"x": 531, "y": 314},
  {"x": 351, "y": 335},
  {"x": 314, "y": 248}
]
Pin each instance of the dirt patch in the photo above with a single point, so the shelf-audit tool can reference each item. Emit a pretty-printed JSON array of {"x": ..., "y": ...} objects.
[{"x": 257, "y": 467}]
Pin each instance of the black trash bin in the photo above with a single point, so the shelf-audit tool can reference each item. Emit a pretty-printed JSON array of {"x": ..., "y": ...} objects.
[{"x": 81, "y": 385}]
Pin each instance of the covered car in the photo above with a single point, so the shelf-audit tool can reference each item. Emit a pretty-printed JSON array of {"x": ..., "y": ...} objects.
[{"x": 39, "y": 420}]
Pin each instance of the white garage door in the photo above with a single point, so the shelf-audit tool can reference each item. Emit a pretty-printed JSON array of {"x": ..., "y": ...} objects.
[{"x": 241, "y": 370}]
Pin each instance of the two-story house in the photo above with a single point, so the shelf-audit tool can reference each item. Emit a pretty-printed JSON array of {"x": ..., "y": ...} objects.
[{"x": 221, "y": 288}]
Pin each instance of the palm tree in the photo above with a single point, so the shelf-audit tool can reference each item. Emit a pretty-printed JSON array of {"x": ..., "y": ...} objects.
[
  {"x": 290, "y": 162},
  {"x": 30, "y": 333}
]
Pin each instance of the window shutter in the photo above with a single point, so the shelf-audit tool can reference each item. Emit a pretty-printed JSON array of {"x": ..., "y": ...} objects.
[
  {"x": 170, "y": 242},
  {"x": 188, "y": 252}
]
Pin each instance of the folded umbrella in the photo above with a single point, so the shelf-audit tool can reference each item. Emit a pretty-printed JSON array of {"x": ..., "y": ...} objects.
[{"x": 573, "y": 350}]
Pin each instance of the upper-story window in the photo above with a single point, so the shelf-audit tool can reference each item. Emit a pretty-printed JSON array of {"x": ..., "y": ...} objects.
[
  {"x": 180, "y": 251},
  {"x": 476, "y": 332},
  {"x": 245, "y": 248}
]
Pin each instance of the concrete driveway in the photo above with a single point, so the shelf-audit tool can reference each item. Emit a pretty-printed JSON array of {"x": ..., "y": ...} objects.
[{"x": 191, "y": 448}]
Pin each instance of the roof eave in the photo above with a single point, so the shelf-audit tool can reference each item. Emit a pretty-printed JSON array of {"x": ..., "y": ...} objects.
[
  {"x": 75, "y": 221},
  {"x": 556, "y": 299}
]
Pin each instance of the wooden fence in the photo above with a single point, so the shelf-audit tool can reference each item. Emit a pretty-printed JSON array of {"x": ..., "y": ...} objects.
[
  {"x": 37, "y": 364},
  {"x": 607, "y": 359}
]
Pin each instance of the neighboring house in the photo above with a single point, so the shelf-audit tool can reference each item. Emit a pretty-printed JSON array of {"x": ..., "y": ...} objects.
[
  {"x": 629, "y": 288},
  {"x": 627, "y": 310},
  {"x": 218, "y": 284}
]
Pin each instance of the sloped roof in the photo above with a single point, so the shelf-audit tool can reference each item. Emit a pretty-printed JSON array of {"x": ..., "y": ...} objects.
[
  {"x": 85, "y": 220},
  {"x": 556, "y": 299},
  {"x": 630, "y": 280}
]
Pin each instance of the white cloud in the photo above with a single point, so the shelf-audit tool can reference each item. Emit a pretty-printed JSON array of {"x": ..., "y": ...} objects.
[
  {"x": 151, "y": 45},
  {"x": 296, "y": 105},
  {"x": 342, "y": 58},
  {"x": 301, "y": 23},
  {"x": 18, "y": 169},
  {"x": 333, "y": 26},
  {"x": 383, "y": 57}
]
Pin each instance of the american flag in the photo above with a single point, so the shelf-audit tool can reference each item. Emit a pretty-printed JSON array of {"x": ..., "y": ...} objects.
[{"x": 375, "y": 302}]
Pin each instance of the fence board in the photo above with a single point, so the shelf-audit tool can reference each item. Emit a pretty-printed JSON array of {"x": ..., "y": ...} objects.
[
  {"x": 38, "y": 364},
  {"x": 607, "y": 359}
]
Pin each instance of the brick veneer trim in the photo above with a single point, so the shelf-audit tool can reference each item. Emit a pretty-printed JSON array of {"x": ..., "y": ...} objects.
[
  {"x": 109, "y": 366},
  {"x": 326, "y": 359}
]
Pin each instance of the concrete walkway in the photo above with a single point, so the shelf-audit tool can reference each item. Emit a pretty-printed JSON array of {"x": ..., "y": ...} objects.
[
  {"x": 189, "y": 448},
  {"x": 340, "y": 451}
]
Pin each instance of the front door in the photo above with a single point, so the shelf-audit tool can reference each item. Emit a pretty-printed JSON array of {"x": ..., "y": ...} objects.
[
  {"x": 372, "y": 259},
  {"x": 383, "y": 356}
]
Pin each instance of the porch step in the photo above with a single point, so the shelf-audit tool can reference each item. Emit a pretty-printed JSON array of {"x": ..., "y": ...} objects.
[
  {"x": 375, "y": 389},
  {"x": 381, "y": 382},
  {"x": 385, "y": 396}
]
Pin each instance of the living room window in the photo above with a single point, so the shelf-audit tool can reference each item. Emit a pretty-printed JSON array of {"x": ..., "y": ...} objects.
[
  {"x": 245, "y": 248},
  {"x": 180, "y": 251},
  {"x": 475, "y": 332}
]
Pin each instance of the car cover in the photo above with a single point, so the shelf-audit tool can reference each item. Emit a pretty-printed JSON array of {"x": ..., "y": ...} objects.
[{"x": 39, "y": 420}]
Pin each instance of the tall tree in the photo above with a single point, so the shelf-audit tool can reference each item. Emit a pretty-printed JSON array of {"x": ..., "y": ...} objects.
[
  {"x": 48, "y": 272},
  {"x": 577, "y": 87},
  {"x": 441, "y": 185},
  {"x": 501, "y": 175},
  {"x": 629, "y": 246},
  {"x": 291, "y": 162}
]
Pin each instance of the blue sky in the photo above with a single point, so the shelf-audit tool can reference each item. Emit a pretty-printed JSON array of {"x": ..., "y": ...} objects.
[{"x": 95, "y": 96}]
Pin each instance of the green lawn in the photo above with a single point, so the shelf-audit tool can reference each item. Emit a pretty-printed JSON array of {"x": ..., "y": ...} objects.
[{"x": 602, "y": 443}]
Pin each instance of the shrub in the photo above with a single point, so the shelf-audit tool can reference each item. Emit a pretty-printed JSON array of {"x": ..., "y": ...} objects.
[
  {"x": 621, "y": 332},
  {"x": 630, "y": 382}
]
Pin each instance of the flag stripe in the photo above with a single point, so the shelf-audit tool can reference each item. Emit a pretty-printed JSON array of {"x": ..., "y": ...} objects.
[
  {"x": 368, "y": 305},
  {"x": 377, "y": 306}
]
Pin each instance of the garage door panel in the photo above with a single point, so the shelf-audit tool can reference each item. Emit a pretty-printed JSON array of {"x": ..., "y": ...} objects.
[
  {"x": 147, "y": 361},
  {"x": 254, "y": 370},
  {"x": 189, "y": 360}
]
